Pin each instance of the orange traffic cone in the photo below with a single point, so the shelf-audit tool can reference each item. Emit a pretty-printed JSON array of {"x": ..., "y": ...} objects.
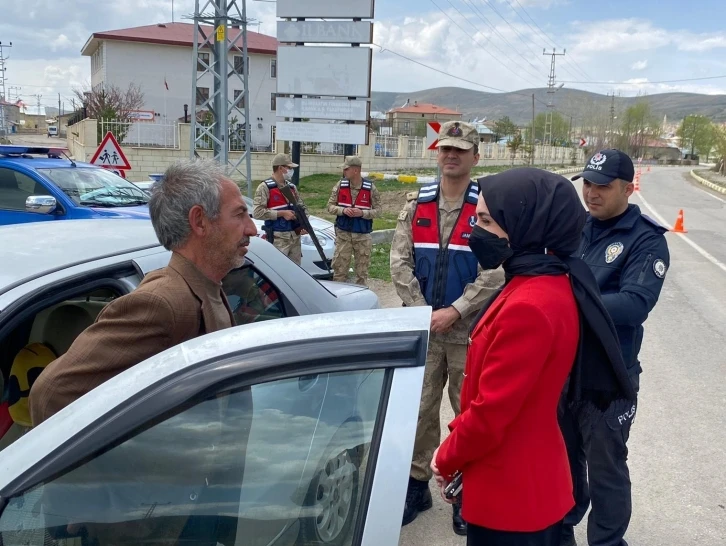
[
  {"x": 637, "y": 182},
  {"x": 648, "y": 168},
  {"x": 678, "y": 228}
]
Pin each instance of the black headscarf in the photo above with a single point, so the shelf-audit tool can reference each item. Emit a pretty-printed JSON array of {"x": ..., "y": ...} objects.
[{"x": 543, "y": 217}]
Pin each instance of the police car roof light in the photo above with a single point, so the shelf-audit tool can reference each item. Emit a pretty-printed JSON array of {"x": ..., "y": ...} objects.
[{"x": 9, "y": 150}]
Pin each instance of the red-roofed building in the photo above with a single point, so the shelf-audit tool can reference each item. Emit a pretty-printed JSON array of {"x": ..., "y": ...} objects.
[
  {"x": 411, "y": 119},
  {"x": 158, "y": 58}
]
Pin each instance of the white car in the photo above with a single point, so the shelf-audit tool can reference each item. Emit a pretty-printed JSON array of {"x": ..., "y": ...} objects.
[
  {"x": 311, "y": 261},
  {"x": 292, "y": 431}
]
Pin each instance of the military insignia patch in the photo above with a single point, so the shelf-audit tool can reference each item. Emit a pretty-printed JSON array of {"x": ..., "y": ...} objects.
[
  {"x": 472, "y": 221},
  {"x": 454, "y": 131},
  {"x": 659, "y": 268},
  {"x": 613, "y": 251}
]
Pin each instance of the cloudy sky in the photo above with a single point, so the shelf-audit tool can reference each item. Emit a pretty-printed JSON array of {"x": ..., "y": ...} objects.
[{"x": 478, "y": 43}]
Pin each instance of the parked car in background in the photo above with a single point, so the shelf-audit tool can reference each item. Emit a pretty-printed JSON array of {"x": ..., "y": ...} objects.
[
  {"x": 285, "y": 430},
  {"x": 52, "y": 131},
  {"x": 311, "y": 260},
  {"x": 38, "y": 184}
]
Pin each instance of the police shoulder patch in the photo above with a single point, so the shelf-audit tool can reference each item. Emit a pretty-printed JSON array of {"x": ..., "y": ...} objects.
[
  {"x": 660, "y": 268},
  {"x": 613, "y": 251}
]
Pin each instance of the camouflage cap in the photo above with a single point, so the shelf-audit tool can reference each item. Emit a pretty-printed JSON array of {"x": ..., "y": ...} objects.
[
  {"x": 283, "y": 160},
  {"x": 458, "y": 134},
  {"x": 351, "y": 161}
]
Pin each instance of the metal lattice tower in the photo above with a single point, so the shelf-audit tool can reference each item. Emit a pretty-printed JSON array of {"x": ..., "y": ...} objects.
[
  {"x": 213, "y": 115},
  {"x": 551, "y": 81},
  {"x": 3, "y": 96}
]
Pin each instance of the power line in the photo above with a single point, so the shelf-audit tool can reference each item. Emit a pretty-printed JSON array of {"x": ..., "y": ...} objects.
[
  {"x": 649, "y": 82},
  {"x": 547, "y": 38},
  {"x": 477, "y": 42}
]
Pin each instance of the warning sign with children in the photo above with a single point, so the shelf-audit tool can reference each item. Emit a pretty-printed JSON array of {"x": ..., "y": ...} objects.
[{"x": 110, "y": 155}]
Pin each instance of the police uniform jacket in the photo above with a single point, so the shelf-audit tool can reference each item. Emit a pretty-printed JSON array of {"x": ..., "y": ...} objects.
[{"x": 629, "y": 260}]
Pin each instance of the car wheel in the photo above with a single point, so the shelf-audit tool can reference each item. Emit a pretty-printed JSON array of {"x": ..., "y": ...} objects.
[{"x": 333, "y": 493}]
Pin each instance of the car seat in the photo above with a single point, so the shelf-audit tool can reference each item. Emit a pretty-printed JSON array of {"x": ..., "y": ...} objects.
[{"x": 11, "y": 195}]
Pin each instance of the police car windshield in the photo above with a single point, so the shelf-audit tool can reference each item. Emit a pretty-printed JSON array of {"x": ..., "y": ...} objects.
[{"x": 96, "y": 187}]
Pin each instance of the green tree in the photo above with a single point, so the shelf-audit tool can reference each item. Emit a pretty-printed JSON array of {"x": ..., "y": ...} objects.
[
  {"x": 697, "y": 134},
  {"x": 514, "y": 145},
  {"x": 110, "y": 103},
  {"x": 637, "y": 127},
  {"x": 420, "y": 129},
  {"x": 560, "y": 129},
  {"x": 719, "y": 136},
  {"x": 504, "y": 127}
]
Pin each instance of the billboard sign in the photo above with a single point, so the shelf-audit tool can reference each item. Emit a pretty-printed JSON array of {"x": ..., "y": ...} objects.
[
  {"x": 340, "y": 133},
  {"x": 343, "y": 109},
  {"x": 325, "y": 9},
  {"x": 330, "y": 71},
  {"x": 325, "y": 32}
]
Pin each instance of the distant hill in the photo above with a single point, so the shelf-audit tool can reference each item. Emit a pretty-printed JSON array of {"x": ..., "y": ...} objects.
[{"x": 518, "y": 106}]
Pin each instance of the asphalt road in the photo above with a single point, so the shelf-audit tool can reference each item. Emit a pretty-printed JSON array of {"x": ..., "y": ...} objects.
[
  {"x": 38, "y": 140},
  {"x": 678, "y": 442}
]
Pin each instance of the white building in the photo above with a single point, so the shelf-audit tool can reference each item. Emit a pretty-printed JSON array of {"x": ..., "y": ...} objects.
[{"x": 158, "y": 58}]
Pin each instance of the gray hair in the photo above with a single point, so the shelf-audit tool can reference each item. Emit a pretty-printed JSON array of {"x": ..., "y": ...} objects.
[{"x": 185, "y": 184}]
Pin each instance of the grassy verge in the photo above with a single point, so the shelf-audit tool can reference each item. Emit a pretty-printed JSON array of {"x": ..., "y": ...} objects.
[
  {"x": 712, "y": 176},
  {"x": 380, "y": 262}
]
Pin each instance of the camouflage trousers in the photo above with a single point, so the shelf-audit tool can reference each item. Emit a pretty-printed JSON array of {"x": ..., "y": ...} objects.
[
  {"x": 288, "y": 242},
  {"x": 349, "y": 244},
  {"x": 444, "y": 361}
]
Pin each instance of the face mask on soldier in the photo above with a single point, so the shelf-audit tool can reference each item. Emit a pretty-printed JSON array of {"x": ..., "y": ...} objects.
[{"x": 288, "y": 175}]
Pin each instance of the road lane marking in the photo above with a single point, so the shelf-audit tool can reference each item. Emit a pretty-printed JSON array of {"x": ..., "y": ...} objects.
[
  {"x": 710, "y": 194},
  {"x": 697, "y": 248}
]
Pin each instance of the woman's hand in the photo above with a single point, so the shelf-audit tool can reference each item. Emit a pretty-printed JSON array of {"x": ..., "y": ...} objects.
[{"x": 440, "y": 480}]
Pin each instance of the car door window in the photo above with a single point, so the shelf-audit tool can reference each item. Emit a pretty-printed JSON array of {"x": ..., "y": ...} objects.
[
  {"x": 15, "y": 188},
  {"x": 282, "y": 460},
  {"x": 251, "y": 296}
]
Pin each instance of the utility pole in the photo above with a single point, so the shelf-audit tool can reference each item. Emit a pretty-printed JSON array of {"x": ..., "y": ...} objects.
[
  {"x": 612, "y": 119},
  {"x": 229, "y": 21},
  {"x": 531, "y": 138},
  {"x": 3, "y": 96},
  {"x": 17, "y": 91},
  {"x": 551, "y": 81},
  {"x": 38, "y": 96}
]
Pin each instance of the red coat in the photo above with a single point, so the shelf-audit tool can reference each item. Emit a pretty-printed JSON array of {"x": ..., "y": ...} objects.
[{"x": 507, "y": 441}]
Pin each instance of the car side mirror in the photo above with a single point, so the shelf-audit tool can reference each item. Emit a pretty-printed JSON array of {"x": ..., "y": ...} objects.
[{"x": 41, "y": 204}]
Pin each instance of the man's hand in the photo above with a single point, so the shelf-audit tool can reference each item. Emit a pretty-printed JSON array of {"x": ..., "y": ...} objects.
[
  {"x": 440, "y": 480},
  {"x": 356, "y": 213},
  {"x": 443, "y": 319},
  {"x": 287, "y": 214},
  {"x": 303, "y": 232}
]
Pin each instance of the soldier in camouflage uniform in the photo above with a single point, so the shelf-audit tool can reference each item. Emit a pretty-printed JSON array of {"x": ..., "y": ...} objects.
[
  {"x": 270, "y": 205},
  {"x": 431, "y": 264},
  {"x": 356, "y": 202}
]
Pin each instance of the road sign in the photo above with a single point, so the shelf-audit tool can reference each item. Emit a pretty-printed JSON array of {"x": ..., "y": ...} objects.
[
  {"x": 432, "y": 134},
  {"x": 342, "y": 109},
  {"x": 583, "y": 142},
  {"x": 340, "y": 133},
  {"x": 324, "y": 70},
  {"x": 119, "y": 172},
  {"x": 325, "y": 9},
  {"x": 328, "y": 32},
  {"x": 109, "y": 154}
]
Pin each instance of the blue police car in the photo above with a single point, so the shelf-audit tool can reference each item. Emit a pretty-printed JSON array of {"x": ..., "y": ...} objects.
[{"x": 38, "y": 184}]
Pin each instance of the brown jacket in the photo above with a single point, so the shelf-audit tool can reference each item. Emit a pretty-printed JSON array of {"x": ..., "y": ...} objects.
[{"x": 170, "y": 306}]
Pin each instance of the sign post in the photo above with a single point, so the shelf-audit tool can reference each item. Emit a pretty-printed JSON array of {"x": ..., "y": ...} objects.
[
  {"x": 432, "y": 139},
  {"x": 329, "y": 86},
  {"x": 109, "y": 155}
]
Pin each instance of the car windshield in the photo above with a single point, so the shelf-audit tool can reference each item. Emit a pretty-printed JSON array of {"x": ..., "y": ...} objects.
[{"x": 96, "y": 187}]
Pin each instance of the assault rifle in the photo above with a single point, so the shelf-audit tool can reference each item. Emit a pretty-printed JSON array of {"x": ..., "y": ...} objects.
[{"x": 302, "y": 218}]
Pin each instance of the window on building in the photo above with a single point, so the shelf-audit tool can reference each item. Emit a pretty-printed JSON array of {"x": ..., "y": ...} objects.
[
  {"x": 202, "y": 95},
  {"x": 239, "y": 64},
  {"x": 202, "y": 58},
  {"x": 241, "y": 102},
  {"x": 273, "y": 102},
  {"x": 273, "y": 68}
]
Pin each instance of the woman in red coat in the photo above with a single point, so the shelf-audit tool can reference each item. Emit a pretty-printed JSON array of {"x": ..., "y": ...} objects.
[{"x": 506, "y": 442}]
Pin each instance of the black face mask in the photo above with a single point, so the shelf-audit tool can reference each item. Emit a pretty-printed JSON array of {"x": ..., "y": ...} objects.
[{"x": 490, "y": 250}]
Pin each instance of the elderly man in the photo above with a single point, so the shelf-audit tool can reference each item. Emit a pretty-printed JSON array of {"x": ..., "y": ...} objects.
[{"x": 199, "y": 214}]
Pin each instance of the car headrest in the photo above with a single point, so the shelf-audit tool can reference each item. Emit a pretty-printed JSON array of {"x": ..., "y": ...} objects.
[
  {"x": 64, "y": 324},
  {"x": 27, "y": 366}
]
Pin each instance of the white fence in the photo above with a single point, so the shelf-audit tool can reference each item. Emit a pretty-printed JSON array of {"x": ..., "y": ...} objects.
[{"x": 142, "y": 134}]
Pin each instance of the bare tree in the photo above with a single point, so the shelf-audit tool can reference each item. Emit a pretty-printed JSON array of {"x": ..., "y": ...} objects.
[{"x": 111, "y": 103}]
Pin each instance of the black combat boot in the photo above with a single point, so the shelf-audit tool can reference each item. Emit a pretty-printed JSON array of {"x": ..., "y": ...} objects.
[
  {"x": 457, "y": 521},
  {"x": 418, "y": 499}
]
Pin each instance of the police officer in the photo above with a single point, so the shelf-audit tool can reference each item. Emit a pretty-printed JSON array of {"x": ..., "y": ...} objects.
[
  {"x": 356, "y": 202},
  {"x": 432, "y": 264},
  {"x": 281, "y": 226},
  {"x": 628, "y": 254}
]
